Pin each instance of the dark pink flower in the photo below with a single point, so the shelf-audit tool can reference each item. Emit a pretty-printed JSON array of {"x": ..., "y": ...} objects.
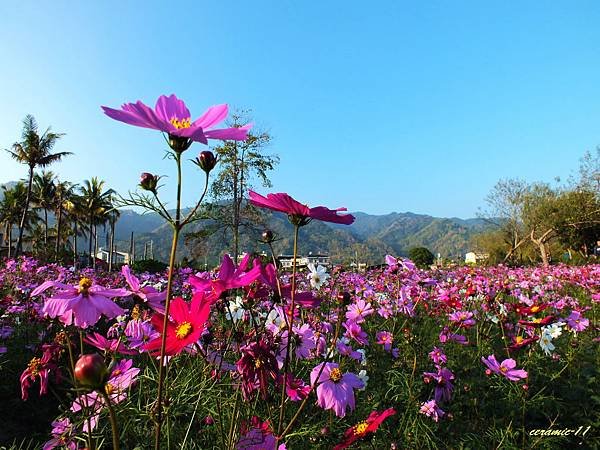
[
  {"x": 170, "y": 115},
  {"x": 361, "y": 429},
  {"x": 298, "y": 213},
  {"x": 147, "y": 294},
  {"x": 506, "y": 368}
]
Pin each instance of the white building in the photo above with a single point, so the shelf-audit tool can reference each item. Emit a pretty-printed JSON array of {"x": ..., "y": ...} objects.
[
  {"x": 476, "y": 258},
  {"x": 317, "y": 259},
  {"x": 118, "y": 257}
]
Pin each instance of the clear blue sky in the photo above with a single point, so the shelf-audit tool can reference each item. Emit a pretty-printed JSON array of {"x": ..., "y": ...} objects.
[{"x": 396, "y": 106}]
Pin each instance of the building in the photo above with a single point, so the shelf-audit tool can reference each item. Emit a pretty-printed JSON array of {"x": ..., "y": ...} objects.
[
  {"x": 318, "y": 259},
  {"x": 118, "y": 257},
  {"x": 476, "y": 258}
]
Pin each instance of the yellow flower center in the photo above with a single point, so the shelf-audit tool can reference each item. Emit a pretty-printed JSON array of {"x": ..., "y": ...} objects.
[
  {"x": 503, "y": 369},
  {"x": 258, "y": 363},
  {"x": 537, "y": 320},
  {"x": 335, "y": 375},
  {"x": 535, "y": 309},
  {"x": 35, "y": 365},
  {"x": 135, "y": 312},
  {"x": 361, "y": 428},
  {"x": 109, "y": 388},
  {"x": 183, "y": 330},
  {"x": 181, "y": 123},
  {"x": 519, "y": 339},
  {"x": 84, "y": 285}
]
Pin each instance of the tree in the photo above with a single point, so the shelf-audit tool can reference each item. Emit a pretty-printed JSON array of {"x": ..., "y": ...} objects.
[
  {"x": 421, "y": 256},
  {"x": 95, "y": 203},
  {"x": 34, "y": 150},
  {"x": 239, "y": 164},
  {"x": 11, "y": 210},
  {"x": 63, "y": 193},
  {"x": 505, "y": 209},
  {"x": 44, "y": 193}
]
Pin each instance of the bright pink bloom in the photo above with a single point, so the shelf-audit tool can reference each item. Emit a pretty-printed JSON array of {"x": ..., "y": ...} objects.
[
  {"x": 577, "y": 322},
  {"x": 80, "y": 305},
  {"x": 230, "y": 277},
  {"x": 359, "y": 310},
  {"x": 431, "y": 409},
  {"x": 170, "y": 115},
  {"x": 62, "y": 435},
  {"x": 108, "y": 345},
  {"x": 297, "y": 211},
  {"x": 394, "y": 263},
  {"x": 185, "y": 327},
  {"x": 506, "y": 368}
]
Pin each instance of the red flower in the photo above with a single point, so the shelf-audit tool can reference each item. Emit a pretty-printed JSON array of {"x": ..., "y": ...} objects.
[
  {"x": 298, "y": 213},
  {"x": 184, "y": 328},
  {"x": 530, "y": 310},
  {"x": 538, "y": 323},
  {"x": 361, "y": 429},
  {"x": 520, "y": 342}
]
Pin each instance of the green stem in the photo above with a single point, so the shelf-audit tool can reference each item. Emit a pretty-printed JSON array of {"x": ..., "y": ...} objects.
[
  {"x": 289, "y": 329},
  {"x": 113, "y": 419},
  {"x": 161, "y": 368}
]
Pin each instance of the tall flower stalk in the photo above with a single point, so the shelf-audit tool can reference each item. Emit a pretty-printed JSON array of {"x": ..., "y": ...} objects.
[{"x": 172, "y": 117}]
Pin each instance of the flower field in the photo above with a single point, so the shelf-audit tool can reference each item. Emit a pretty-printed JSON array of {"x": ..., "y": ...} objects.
[{"x": 395, "y": 357}]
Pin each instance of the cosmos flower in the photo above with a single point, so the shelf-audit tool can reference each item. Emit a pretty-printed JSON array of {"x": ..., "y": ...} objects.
[
  {"x": 546, "y": 344},
  {"x": 39, "y": 368},
  {"x": 359, "y": 310},
  {"x": 185, "y": 327},
  {"x": 386, "y": 339},
  {"x": 521, "y": 342},
  {"x": 577, "y": 322},
  {"x": 230, "y": 277},
  {"x": 505, "y": 368},
  {"x": 437, "y": 356},
  {"x": 395, "y": 263},
  {"x": 361, "y": 429},
  {"x": 256, "y": 366},
  {"x": 147, "y": 294},
  {"x": 444, "y": 386},
  {"x": 171, "y": 115},
  {"x": 62, "y": 435},
  {"x": 335, "y": 390},
  {"x": 354, "y": 331},
  {"x": 80, "y": 305},
  {"x": 317, "y": 276},
  {"x": 108, "y": 345},
  {"x": 431, "y": 409},
  {"x": 298, "y": 213}
]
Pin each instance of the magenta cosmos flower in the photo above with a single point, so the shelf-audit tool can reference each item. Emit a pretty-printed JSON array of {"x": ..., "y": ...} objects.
[
  {"x": 506, "y": 368},
  {"x": 170, "y": 115},
  {"x": 298, "y": 213},
  {"x": 80, "y": 305},
  {"x": 335, "y": 390}
]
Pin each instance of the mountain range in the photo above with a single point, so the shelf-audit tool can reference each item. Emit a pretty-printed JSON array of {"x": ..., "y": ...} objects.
[{"x": 368, "y": 239}]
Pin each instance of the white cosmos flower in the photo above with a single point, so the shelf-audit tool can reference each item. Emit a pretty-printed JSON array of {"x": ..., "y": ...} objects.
[
  {"x": 554, "y": 330},
  {"x": 317, "y": 276},
  {"x": 546, "y": 343},
  {"x": 235, "y": 311},
  {"x": 364, "y": 377}
]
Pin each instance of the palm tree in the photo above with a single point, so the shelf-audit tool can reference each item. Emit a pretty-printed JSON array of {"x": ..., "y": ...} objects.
[
  {"x": 96, "y": 203},
  {"x": 64, "y": 191},
  {"x": 44, "y": 194},
  {"x": 112, "y": 216},
  {"x": 34, "y": 151},
  {"x": 11, "y": 211}
]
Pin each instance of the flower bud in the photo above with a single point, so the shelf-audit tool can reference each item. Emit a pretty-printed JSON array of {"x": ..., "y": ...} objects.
[
  {"x": 91, "y": 371},
  {"x": 148, "y": 182},
  {"x": 268, "y": 236},
  {"x": 207, "y": 161},
  {"x": 343, "y": 298}
]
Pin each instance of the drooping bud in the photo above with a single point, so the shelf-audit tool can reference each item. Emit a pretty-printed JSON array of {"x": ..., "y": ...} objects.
[
  {"x": 179, "y": 144},
  {"x": 148, "y": 182},
  {"x": 206, "y": 160},
  {"x": 343, "y": 298},
  {"x": 91, "y": 371},
  {"x": 267, "y": 236}
]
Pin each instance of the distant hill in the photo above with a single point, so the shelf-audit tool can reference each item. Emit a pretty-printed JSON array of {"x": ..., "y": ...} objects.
[{"x": 368, "y": 239}]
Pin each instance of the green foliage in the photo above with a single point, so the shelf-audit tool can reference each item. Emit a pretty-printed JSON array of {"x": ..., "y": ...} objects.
[
  {"x": 421, "y": 256},
  {"x": 149, "y": 265}
]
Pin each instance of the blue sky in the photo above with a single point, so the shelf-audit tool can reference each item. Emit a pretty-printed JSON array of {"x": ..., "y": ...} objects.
[{"x": 398, "y": 106}]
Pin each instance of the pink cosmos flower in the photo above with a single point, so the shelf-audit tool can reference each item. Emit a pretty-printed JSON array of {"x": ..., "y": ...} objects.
[
  {"x": 40, "y": 368},
  {"x": 359, "y": 310},
  {"x": 122, "y": 376},
  {"x": 577, "y": 322},
  {"x": 230, "y": 277},
  {"x": 386, "y": 339},
  {"x": 80, "y": 305},
  {"x": 437, "y": 356},
  {"x": 147, "y": 294},
  {"x": 108, "y": 345},
  {"x": 171, "y": 115},
  {"x": 431, "y": 409},
  {"x": 506, "y": 368},
  {"x": 335, "y": 390},
  {"x": 394, "y": 263},
  {"x": 62, "y": 435},
  {"x": 297, "y": 212},
  {"x": 354, "y": 331}
]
